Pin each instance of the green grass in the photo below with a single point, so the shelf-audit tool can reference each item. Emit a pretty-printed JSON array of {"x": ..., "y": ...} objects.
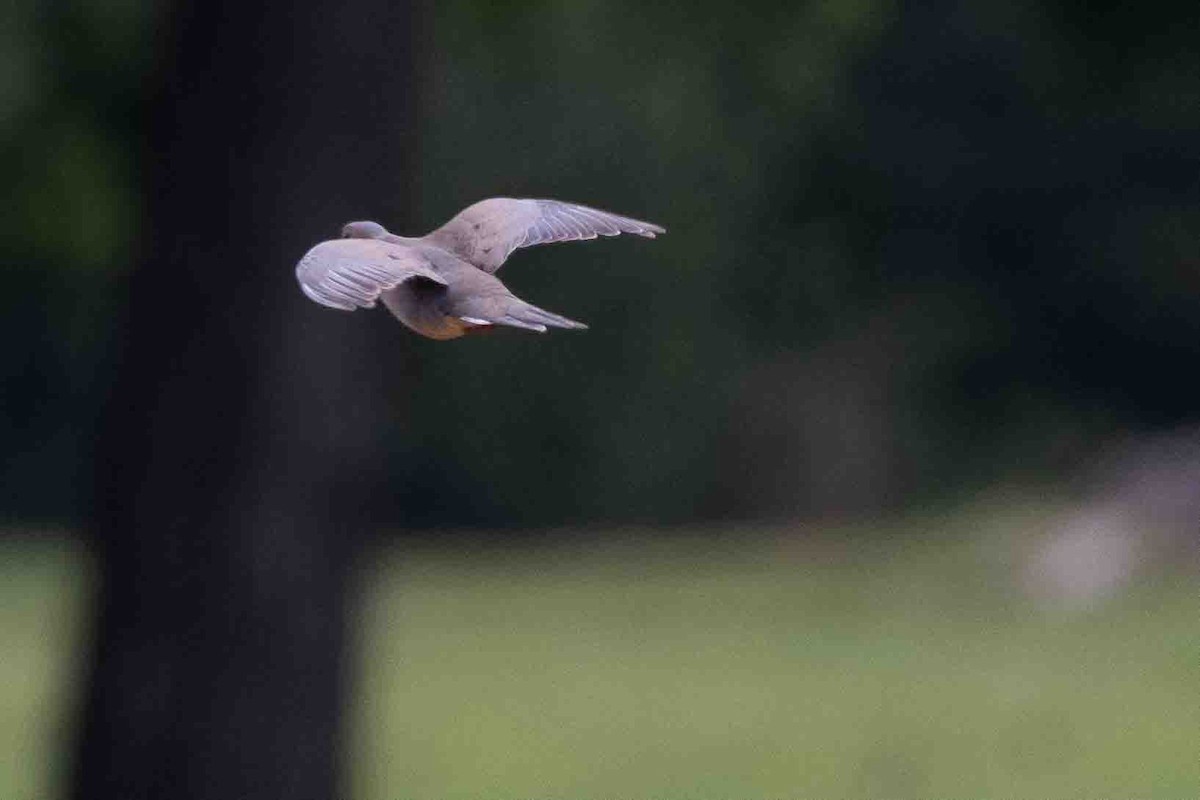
[
  {"x": 900, "y": 661},
  {"x": 43, "y": 589},
  {"x": 769, "y": 663}
]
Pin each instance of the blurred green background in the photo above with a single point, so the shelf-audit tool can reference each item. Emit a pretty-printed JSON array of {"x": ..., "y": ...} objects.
[
  {"x": 730, "y": 541},
  {"x": 893, "y": 660}
]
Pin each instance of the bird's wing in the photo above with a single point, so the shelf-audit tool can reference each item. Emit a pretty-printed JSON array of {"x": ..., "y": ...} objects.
[
  {"x": 352, "y": 273},
  {"x": 485, "y": 233}
]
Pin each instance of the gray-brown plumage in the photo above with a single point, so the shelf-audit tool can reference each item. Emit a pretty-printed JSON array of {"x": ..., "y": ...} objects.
[{"x": 442, "y": 285}]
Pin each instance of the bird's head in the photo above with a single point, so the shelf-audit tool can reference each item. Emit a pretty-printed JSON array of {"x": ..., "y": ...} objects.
[{"x": 363, "y": 230}]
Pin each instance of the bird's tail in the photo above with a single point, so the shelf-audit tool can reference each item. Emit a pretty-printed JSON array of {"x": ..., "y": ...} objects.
[{"x": 519, "y": 314}]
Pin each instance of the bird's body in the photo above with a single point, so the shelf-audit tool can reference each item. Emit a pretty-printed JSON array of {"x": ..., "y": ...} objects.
[{"x": 442, "y": 285}]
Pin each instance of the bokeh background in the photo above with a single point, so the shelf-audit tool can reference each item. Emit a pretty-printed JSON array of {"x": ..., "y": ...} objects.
[{"x": 877, "y": 475}]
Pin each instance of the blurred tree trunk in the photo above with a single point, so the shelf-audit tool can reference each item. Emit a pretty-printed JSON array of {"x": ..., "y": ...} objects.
[{"x": 239, "y": 452}]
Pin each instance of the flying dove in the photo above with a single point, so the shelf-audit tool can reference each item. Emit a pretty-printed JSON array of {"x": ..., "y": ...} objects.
[{"x": 443, "y": 285}]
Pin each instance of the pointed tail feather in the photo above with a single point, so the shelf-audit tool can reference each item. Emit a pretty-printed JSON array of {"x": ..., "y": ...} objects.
[
  {"x": 530, "y": 317},
  {"x": 547, "y": 318}
]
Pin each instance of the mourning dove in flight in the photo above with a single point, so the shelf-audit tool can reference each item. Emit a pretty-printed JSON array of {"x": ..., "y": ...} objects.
[{"x": 442, "y": 285}]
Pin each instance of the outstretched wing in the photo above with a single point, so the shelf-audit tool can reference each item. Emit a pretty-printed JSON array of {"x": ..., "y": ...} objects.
[
  {"x": 352, "y": 273},
  {"x": 485, "y": 233}
]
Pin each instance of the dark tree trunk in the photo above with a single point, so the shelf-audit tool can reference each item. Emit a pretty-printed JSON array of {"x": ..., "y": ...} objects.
[{"x": 239, "y": 451}]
